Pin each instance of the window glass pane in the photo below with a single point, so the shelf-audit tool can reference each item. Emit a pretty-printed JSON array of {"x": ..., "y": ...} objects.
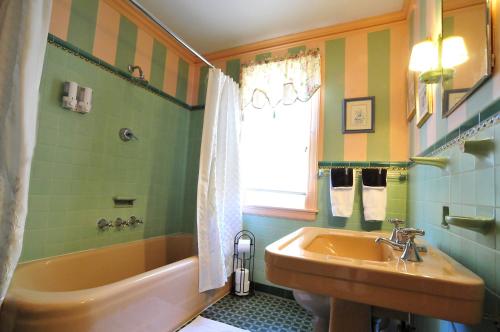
[{"x": 275, "y": 154}]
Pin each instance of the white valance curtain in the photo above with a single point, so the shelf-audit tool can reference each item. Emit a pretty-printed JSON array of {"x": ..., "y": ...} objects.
[
  {"x": 24, "y": 25},
  {"x": 285, "y": 80},
  {"x": 219, "y": 211}
]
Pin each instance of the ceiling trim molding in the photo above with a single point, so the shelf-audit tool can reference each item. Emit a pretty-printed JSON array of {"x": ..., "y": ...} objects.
[
  {"x": 394, "y": 17},
  {"x": 126, "y": 9}
]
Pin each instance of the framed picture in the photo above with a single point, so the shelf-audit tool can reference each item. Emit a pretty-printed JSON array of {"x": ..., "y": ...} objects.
[
  {"x": 359, "y": 115},
  {"x": 425, "y": 103},
  {"x": 411, "y": 106},
  {"x": 451, "y": 98}
]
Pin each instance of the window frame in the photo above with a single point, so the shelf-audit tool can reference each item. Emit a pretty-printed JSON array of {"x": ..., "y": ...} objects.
[{"x": 310, "y": 211}]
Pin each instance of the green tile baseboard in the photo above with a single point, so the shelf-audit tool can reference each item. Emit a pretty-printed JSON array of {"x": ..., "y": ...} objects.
[
  {"x": 72, "y": 49},
  {"x": 273, "y": 290}
]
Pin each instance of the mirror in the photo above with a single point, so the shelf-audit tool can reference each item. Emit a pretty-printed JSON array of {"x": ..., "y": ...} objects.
[{"x": 471, "y": 20}]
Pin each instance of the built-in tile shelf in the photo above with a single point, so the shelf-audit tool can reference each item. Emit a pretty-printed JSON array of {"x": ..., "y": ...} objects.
[{"x": 477, "y": 147}]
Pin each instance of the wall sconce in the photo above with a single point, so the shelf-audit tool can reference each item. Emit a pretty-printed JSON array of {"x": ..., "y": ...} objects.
[{"x": 436, "y": 60}]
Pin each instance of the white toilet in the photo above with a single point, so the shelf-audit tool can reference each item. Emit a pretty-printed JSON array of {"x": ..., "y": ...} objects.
[{"x": 318, "y": 305}]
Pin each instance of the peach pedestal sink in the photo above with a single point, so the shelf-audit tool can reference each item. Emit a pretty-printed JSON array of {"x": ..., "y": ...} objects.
[{"x": 350, "y": 267}]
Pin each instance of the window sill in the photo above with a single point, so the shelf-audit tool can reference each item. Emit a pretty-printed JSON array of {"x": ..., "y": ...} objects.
[{"x": 277, "y": 212}]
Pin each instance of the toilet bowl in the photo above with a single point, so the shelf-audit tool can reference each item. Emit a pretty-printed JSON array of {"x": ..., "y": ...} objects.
[{"x": 318, "y": 305}]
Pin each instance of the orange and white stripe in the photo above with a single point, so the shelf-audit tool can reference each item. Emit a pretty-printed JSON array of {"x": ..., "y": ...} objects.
[{"x": 106, "y": 34}]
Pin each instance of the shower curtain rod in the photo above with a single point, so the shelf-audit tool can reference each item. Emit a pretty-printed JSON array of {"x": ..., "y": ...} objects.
[{"x": 170, "y": 32}]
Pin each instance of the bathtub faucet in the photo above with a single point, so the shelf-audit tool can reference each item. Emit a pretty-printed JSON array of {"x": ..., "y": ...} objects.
[
  {"x": 134, "y": 221},
  {"x": 103, "y": 224},
  {"x": 119, "y": 222}
]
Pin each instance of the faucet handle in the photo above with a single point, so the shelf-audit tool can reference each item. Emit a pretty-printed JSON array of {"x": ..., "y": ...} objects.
[
  {"x": 102, "y": 224},
  {"x": 396, "y": 222},
  {"x": 412, "y": 232},
  {"x": 134, "y": 221},
  {"x": 410, "y": 252},
  {"x": 119, "y": 222}
]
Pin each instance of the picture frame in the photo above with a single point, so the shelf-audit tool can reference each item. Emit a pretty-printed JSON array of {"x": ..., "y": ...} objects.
[
  {"x": 411, "y": 106},
  {"x": 452, "y": 99},
  {"x": 358, "y": 115},
  {"x": 425, "y": 103}
]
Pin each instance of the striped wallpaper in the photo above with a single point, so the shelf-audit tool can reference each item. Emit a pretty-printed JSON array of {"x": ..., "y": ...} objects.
[
  {"x": 427, "y": 21},
  {"x": 96, "y": 27},
  {"x": 370, "y": 62}
]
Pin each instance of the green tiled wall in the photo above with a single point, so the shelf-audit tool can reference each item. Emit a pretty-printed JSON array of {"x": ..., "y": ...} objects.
[
  {"x": 80, "y": 163},
  {"x": 470, "y": 186},
  {"x": 193, "y": 159}
]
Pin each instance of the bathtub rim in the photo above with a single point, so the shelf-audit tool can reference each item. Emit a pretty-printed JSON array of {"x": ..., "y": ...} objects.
[
  {"x": 119, "y": 244},
  {"x": 26, "y": 296}
]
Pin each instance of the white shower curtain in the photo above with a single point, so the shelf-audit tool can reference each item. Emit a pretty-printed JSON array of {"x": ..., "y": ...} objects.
[
  {"x": 219, "y": 215},
  {"x": 24, "y": 25}
]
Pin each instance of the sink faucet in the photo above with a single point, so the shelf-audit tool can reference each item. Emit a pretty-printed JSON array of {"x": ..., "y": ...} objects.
[
  {"x": 410, "y": 249},
  {"x": 396, "y": 235},
  {"x": 392, "y": 244},
  {"x": 398, "y": 239},
  {"x": 410, "y": 252}
]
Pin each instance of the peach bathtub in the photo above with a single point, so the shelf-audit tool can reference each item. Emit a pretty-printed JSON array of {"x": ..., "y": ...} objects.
[{"x": 147, "y": 285}]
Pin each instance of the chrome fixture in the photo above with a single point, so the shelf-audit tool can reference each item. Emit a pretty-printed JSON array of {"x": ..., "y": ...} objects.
[
  {"x": 133, "y": 221},
  {"x": 396, "y": 235},
  {"x": 132, "y": 68},
  {"x": 103, "y": 224},
  {"x": 119, "y": 222},
  {"x": 410, "y": 249},
  {"x": 170, "y": 32},
  {"x": 392, "y": 244},
  {"x": 127, "y": 134},
  {"x": 410, "y": 253}
]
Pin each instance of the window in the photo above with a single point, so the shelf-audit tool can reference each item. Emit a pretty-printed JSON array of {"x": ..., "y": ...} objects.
[{"x": 278, "y": 141}]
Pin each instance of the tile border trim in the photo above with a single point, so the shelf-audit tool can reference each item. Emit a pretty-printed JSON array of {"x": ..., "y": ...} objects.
[
  {"x": 485, "y": 119},
  {"x": 72, "y": 49},
  {"x": 364, "y": 164}
]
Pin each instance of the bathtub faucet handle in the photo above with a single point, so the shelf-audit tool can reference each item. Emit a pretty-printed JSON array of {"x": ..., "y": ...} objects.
[
  {"x": 103, "y": 224},
  {"x": 134, "y": 221},
  {"x": 119, "y": 222}
]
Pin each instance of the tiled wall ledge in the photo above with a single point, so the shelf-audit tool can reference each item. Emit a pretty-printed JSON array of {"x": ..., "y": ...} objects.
[
  {"x": 474, "y": 125},
  {"x": 116, "y": 71}
]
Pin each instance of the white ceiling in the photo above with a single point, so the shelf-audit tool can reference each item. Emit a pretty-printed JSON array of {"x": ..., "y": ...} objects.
[{"x": 213, "y": 25}]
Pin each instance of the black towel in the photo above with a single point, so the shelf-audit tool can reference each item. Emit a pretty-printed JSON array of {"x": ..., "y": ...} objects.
[
  {"x": 341, "y": 177},
  {"x": 374, "y": 177}
]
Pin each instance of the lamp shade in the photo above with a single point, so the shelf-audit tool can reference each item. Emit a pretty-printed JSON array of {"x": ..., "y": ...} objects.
[
  {"x": 454, "y": 52},
  {"x": 424, "y": 56}
]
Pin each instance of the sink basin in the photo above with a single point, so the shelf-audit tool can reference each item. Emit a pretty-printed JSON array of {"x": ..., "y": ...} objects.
[
  {"x": 342, "y": 245},
  {"x": 349, "y": 265}
]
